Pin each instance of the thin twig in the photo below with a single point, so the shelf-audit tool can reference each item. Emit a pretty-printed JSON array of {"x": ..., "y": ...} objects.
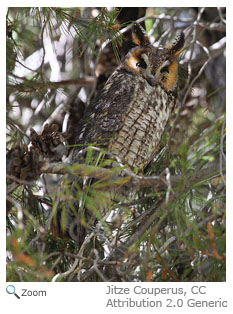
[
  {"x": 19, "y": 211},
  {"x": 221, "y": 152},
  {"x": 66, "y": 273},
  {"x": 221, "y": 15}
]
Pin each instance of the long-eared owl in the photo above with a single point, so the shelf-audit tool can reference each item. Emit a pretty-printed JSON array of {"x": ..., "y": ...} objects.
[
  {"x": 127, "y": 118},
  {"x": 129, "y": 115}
]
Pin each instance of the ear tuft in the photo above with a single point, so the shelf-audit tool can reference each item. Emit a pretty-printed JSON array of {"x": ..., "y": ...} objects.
[
  {"x": 177, "y": 45},
  {"x": 139, "y": 36}
]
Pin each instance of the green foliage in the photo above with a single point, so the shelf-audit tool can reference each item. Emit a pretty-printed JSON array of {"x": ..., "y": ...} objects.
[{"x": 171, "y": 231}]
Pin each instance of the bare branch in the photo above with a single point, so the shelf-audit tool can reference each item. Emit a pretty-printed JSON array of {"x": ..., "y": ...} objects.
[
  {"x": 84, "y": 81},
  {"x": 219, "y": 27}
]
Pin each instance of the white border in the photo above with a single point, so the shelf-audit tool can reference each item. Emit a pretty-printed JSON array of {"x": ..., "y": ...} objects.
[{"x": 67, "y": 297}]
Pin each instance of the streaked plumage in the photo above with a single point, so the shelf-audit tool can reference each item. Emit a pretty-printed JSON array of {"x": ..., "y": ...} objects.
[
  {"x": 127, "y": 118},
  {"x": 129, "y": 115}
]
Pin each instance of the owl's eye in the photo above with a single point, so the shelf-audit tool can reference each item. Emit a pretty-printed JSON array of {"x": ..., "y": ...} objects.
[
  {"x": 141, "y": 64},
  {"x": 164, "y": 69}
]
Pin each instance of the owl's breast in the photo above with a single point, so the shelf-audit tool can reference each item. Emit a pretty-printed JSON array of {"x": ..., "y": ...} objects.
[{"x": 142, "y": 127}]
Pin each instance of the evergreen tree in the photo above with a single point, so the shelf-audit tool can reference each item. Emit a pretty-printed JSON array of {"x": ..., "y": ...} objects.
[{"x": 171, "y": 225}]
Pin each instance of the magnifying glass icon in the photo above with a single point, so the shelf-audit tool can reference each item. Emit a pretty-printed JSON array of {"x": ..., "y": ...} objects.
[{"x": 11, "y": 290}]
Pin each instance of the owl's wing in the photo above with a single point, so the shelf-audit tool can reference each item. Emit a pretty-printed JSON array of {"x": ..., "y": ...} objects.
[{"x": 105, "y": 114}]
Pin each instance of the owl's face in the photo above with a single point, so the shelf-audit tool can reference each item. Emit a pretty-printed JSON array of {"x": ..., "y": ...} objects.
[{"x": 156, "y": 65}]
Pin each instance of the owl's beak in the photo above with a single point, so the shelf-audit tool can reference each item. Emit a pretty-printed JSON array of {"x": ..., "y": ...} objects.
[{"x": 151, "y": 79}]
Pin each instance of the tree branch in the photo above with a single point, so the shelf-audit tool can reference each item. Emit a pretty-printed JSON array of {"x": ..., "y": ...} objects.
[
  {"x": 32, "y": 87},
  {"x": 127, "y": 177}
]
